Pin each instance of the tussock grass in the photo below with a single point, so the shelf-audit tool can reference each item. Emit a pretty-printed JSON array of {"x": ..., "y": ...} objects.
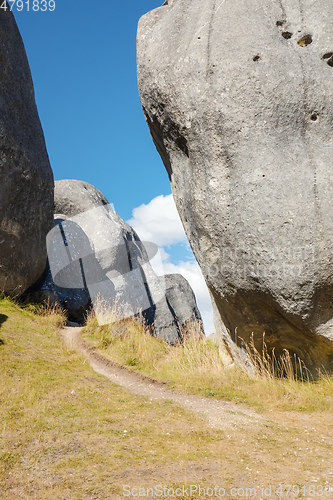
[
  {"x": 66, "y": 432},
  {"x": 195, "y": 367},
  {"x": 269, "y": 365},
  {"x": 46, "y": 315}
]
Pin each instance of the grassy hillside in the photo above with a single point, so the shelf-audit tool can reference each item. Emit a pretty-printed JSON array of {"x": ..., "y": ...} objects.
[
  {"x": 67, "y": 433},
  {"x": 196, "y": 368}
]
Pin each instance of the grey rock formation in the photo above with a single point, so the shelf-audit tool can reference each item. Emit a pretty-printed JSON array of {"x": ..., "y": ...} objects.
[
  {"x": 238, "y": 97},
  {"x": 95, "y": 255},
  {"x": 72, "y": 197},
  {"x": 26, "y": 181},
  {"x": 73, "y": 296},
  {"x": 181, "y": 300}
]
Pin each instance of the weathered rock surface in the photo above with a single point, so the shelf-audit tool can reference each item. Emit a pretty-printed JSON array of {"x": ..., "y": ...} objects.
[
  {"x": 26, "y": 181},
  {"x": 238, "y": 97},
  {"x": 95, "y": 255},
  {"x": 181, "y": 299},
  {"x": 73, "y": 296}
]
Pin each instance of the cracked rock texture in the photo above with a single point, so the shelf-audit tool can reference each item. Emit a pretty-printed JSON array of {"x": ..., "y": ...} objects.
[
  {"x": 26, "y": 185},
  {"x": 238, "y": 97}
]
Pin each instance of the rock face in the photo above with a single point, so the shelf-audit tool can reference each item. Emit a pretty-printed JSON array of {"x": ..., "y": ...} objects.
[
  {"x": 94, "y": 255},
  {"x": 73, "y": 296},
  {"x": 26, "y": 181},
  {"x": 181, "y": 299},
  {"x": 238, "y": 97}
]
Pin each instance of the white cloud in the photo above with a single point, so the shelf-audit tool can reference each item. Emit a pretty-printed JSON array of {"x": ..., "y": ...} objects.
[{"x": 159, "y": 222}]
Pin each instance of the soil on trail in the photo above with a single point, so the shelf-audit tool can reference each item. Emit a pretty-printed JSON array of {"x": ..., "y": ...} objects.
[
  {"x": 272, "y": 449},
  {"x": 69, "y": 433},
  {"x": 219, "y": 414}
]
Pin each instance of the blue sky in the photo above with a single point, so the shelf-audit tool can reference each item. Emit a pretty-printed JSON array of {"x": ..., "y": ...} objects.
[{"x": 83, "y": 63}]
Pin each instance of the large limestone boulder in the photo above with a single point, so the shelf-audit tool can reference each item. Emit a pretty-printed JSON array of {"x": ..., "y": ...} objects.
[
  {"x": 95, "y": 257},
  {"x": 178, "y": 299},
  {"x": 181, "y": 299},
  {"x": 238, "y": 97},
  {"x": 26, "y": 181},
  {"x": 67, "y": 290}
]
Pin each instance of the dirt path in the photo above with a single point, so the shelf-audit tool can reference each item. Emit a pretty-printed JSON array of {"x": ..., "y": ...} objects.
[{"x": 220, "y": 414}]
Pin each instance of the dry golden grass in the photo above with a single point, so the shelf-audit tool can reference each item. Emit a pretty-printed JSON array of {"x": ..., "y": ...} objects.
[
  {"x": 268, "y": 365},
  {"x": 195, "y": 367},
  {"x": 67, "y": 433}
]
